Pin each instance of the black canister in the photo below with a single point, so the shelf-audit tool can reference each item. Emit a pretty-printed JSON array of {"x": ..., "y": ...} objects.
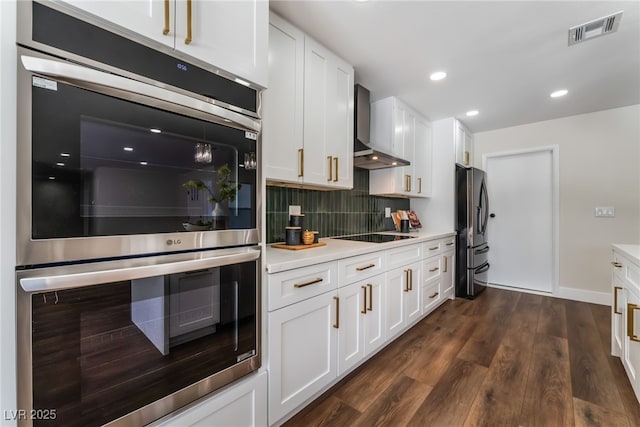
[
  {"x": 296, "y": 220},
  {"x": 316, "y": 234},
  {"x": 293, "y": 235},
  {"x": 404, "y": 225}
]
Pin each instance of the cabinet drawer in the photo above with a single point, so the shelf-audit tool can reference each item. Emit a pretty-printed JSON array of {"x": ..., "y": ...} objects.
[
  {"x": 299, "y": 284},
  {"x": 625, "y": 270},
  {"x": 432, "y": 268},
  {"x": 404, "y": 255},
  {"x": 435, "y": 247},
  {"x": 360, "y": 267},
  {"x": 431, "y": 296}
]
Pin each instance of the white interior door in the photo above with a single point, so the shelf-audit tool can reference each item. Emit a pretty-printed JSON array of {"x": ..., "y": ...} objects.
[{"x": 521, "y": 224}]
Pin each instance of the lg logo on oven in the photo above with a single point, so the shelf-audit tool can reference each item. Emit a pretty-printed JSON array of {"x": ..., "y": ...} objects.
[{"x": 174, "y": 242}]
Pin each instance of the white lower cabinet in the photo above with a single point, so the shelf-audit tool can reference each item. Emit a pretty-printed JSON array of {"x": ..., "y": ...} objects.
[
  {"x": 302, "y": 343},
  {"x": 625, "y": 316},
  {"x": 402, "y": 297},
  {"x": 361, "y": 329},
  {"x": 242, "y": 404}
]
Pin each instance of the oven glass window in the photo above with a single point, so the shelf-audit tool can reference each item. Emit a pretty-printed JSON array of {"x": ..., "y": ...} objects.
[
  {"x": 103, "y": 351},
  {"x": 106, "y": 166}
]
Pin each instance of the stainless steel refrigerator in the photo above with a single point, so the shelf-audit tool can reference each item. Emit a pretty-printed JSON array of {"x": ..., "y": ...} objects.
[{"x": 472, "y": 213}]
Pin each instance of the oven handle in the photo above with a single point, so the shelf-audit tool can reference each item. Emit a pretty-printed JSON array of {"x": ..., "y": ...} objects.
[
  {"x": 78, "y": 280},
  {"x": 134, "y": 90}
]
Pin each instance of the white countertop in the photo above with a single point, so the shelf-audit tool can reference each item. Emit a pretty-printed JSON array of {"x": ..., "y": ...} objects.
[
  {"x": 284, "y": 259},
  {"x": 632, "y": 251}
]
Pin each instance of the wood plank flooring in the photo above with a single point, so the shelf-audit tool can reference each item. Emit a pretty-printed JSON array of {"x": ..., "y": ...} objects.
[{"x": 505, "y": 359}]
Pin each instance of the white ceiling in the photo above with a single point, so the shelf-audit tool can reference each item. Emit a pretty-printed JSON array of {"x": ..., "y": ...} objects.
[{"x": 503, "y": 58}]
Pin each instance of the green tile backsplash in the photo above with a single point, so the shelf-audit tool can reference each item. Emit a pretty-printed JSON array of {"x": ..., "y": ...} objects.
[{"x": 332, "y": 213}]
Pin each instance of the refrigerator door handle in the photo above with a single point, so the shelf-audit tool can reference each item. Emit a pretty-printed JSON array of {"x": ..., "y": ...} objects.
[
  {"x": 485, "y": 207},
  {"x": 483, "y": 250},
  {"x": 482, "y": 268}
]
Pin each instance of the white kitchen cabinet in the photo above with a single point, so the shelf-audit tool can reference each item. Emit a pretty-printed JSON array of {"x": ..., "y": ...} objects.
[
  {"x": 402, "y": 298},
  {"x": 463, "y": 144},
  {"x": 361, "y": 321},
  {"x": 308, "y": 120},
  {"x": 244, "y": 403},
  {"x": 625, "y": 316},
  {"x": 410, "y": 136},
  {"x": 230, "y": 35},
  {"x": 302, "y": 343}
]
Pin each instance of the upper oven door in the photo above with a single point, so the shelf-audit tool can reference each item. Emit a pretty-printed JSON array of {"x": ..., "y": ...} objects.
[{"x": 142, "y": 168}]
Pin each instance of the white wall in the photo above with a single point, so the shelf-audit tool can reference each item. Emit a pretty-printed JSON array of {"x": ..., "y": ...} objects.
[
  {"x": 7, "y": 209},
  {"x": 599, "y": 166}
]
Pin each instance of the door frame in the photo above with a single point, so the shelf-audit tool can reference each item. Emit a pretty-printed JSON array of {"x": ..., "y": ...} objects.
[{"x": 555, "y": 206}]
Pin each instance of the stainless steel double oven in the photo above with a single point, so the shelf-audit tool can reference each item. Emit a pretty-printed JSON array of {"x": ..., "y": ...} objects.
[{"x": 137, "y": 271}]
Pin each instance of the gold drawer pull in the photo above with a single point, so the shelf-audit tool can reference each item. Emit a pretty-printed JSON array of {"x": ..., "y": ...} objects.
[
  {"x": 446, "y": 264},
  {"x": 335, "y": 160},
  {"x": 365, "y": 267},
  {"x": 450, "y": 244},
  {"x": 302, "y": 285},
  {"x": 434, "y": 295},
  {"x": 165, "y": 30},
  {"x": 337, "y": 324},
  {"x": 431, "y": 270},
  {"x": 615, "y": 299},
  {"x": 406, "y": 281},
  {"x": 364, "y": 300},
  {"x": 434, "y": 248},
  {"x": 410, "y": 279},
  {"x": 370, "y": 286},
  {"x": 300, "y": 162},
  {"x": 330, "y": 168},
  {"x": 630, "y": 322},
  {"x": 616, "y": 264}
]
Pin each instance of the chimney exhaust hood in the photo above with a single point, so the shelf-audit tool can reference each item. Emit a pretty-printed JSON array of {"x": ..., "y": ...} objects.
[{"x": 364, "y": 155}]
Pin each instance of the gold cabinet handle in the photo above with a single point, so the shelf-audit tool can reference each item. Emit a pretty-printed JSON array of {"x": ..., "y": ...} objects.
[
  {"x": 365, "y": 267},
  {"x": 370, "y": 286},
  {"x": 431, "y": 270},
  {"x": 406, "y": 183},
  {"x": 434, "y": 248},
  {"x": 615, "y": 299},
  {"x": 466, "y": 157},
  {"x": 630, "y": 322},
  {"x": 330, "y": 168},
  {"x": 616, "y": 264},
  {"x": 419, "y": 185},
  {"x": 312, "y": 282},
  {"x": 166, "y": 29},
  {"x": 364, "y": 300},
  {"x": 406, "y": 281},
  {"x": 449, "y": 244},
  {"x": 337, "y": 324},
  {"x": 300, "y": 162},
  {"x": 335, "y": 160},
  {"x": 434, "y": 295},
  {"x": 446, "y": 264},
  {"x": 188, "y": 39},
  {"x": 410, "y": 279}
]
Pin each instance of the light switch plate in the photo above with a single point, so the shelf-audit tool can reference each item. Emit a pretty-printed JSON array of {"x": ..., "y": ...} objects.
[
  {"x": 294, "y": 210},
  {"x": 605, "y": 211}
]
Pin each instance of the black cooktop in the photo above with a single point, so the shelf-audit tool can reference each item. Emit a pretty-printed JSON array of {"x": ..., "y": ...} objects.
[{"x": 374, "y": 238}]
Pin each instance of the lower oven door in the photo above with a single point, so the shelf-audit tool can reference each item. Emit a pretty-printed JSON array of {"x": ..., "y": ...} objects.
[{"x": 126, "y": 342}]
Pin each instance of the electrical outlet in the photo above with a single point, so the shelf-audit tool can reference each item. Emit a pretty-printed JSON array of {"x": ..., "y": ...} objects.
[
  {"x": 294, "y": 210},
  {"x": 606, "y": 211},
  {"x": 387, "y": 212}
]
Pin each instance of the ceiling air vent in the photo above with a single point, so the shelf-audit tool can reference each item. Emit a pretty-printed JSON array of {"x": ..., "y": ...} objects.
[{"x": 595, "y": 28}]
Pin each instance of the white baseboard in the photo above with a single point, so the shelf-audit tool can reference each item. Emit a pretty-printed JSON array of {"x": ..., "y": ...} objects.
[
  {"x": 593, "y": 297},
  {"x": 582, "y": 295}
]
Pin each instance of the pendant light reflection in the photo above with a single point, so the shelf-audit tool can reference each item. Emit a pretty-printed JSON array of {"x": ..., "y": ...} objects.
[
  {"x": 203, "y": 153},
  {"x": 250, "y": 161}
]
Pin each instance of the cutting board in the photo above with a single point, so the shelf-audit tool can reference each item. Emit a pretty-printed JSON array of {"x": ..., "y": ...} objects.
[{"x": 297, "y": 247}]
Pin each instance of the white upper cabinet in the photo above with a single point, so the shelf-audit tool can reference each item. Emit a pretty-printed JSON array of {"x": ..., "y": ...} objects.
[
  {"x": 398, "y": 130},
  {"x": 230, "y": 35},
  {"x": 463, "y": 144},
  {"x": 308, "y": 112}
]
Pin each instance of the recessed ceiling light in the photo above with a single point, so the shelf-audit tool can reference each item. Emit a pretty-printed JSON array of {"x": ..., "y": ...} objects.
[
  {"x": 394, "y": 163},
  {"x": 143, "y": 163},
  {"x": 59, "y": 164},
  {"x": 128, "y": 148},
  {"x": 155, "y": 130},
  {"x": 472, "y": 113},
  {"x": 559, "y": 93},
  {"x": 438, "y": 75},
  {"x": 65, "y": 154},
  {"x": 52, "y": 178}
]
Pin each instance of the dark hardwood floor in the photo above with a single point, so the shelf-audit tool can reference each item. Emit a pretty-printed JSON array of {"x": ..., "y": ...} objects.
[{"x": 505, "y": 359}]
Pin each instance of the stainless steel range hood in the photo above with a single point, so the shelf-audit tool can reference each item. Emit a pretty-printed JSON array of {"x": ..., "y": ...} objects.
[{"x": 366, "y": 156}]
